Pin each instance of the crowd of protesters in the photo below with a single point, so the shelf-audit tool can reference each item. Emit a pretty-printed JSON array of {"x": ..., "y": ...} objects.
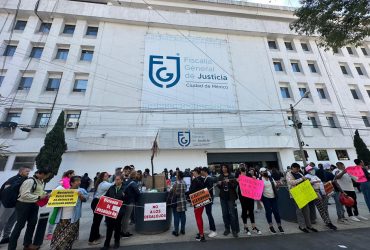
[{"x": 21, "y": 197}]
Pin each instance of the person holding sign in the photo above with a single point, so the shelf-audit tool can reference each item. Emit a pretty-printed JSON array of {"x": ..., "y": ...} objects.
[
  {"x": 68, "y": 219},
  {"x": 293, "y": 178},
  {"x": 321, "y": 202},
  {"x": 114, "y": 225},
  {"x": 269, "y": 199},
  {"x": 198, "y": 184},
  {"x": 228, "y": 195},
  {"x": 365, "y": 186}
]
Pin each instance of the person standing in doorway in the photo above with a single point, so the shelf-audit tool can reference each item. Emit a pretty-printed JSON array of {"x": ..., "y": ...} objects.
[
  {"x": 101, "y": 187},
  {"x": 31, "y": 191},
  {"x": 228, "y": 195},
  {"x": 209, "y": 182}
]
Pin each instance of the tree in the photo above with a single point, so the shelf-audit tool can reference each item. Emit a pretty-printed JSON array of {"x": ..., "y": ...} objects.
[
  {"x": 50, "y": 155},
  {"x": 337, "y": 22},
  {"x": 363, "y": 153}
]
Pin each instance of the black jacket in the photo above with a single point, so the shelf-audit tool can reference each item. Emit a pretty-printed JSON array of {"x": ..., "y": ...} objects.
[
  {"x": 131, "y": 191},
  {"x": 116, "y": 194},
  {"x": 232, "y": 185},
  {"x": 208, "y": 183},
  {"x": 196, "y": 185}
]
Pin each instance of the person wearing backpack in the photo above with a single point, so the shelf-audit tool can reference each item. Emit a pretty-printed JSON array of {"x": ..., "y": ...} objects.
[
  {"x": 9, "y": 194},
  {"x": 30, "y": 192}
]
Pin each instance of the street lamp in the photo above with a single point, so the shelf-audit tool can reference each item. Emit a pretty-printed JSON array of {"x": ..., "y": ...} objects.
[{"x": 297, "y": 125}]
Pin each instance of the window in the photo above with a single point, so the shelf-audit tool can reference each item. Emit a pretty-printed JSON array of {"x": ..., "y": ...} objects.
[
  {"x": 62, "y": 54},
  {"x": 36, "y": 52},
  {"x": 368, "y": 92},
  {"x": 87, "y": 55},
  {"x": 359, "y": 70},
  {"x": 69, "y": 29},
  {"x": 53, "y": 84},
  {"x": 3, "y": 161},
  {"x": 24, "y": 161},
  {"x": 365, "y": 119},
  {"x": 302, "y": 92},
  {"x": 92, "y": 31},
  {"x": 74, "y": 117},
  {"x": 305, "y": 47},
  {"x": 80, "y": 85},
  {"x": 20, "y": 25},
  {"x": 285, "y": 92},
  {"x": 331, "y": 121},
  {"x": 350, "y": 51},
  {"x": 272, "y": 44},
  {"x": 364, "y": 51},
  {"x": 10, "y": 50},
  {"x": 25, "y": 83},
  {"x": 295, "y": 67},
  {"x": 321, "y": 93},
  {"x": 354, "y": 94},
  {"x": 298, "y": 155},
  {"x": 312, "y": 67},
  {"x": 278, "y": 66},
  {"x": 313, "y": 122},
  {"x": 342, "y": 155},
  {"x": 288, "y": 45},
  {"x": 1, "y": 80},
  {"x": 42, "y": 120},
  {"x": 322, "y": 155},
  {"x": 45, "y": 27},
  {"x": 344, "y": 69},
  {"x": 13, "y": 117}
]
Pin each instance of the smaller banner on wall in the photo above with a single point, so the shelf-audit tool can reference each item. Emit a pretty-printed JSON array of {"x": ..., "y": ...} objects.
[
  {"x": 250, "y": 187},
  {"x": 155, "y": 211},
  {"x": 357, "y": 171},
  {"x": 63, "y": 198},
  {"x": 303, "y": 193},
  {"x": 200, "y": 198},
  {"x": 108, "y": 207}
]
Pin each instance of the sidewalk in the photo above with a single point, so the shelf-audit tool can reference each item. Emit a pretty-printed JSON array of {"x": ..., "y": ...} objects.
[{"x": 191, "y": 228}]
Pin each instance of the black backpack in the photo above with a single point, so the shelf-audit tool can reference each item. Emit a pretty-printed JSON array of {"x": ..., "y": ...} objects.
[{"x": 10, "y": 194}]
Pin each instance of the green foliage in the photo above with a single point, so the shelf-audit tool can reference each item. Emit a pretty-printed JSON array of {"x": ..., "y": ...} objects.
[
  {"x": 337, "y": 22},
  {"x": 363, "y": 153},
  {"x": 50, "y": 155}
]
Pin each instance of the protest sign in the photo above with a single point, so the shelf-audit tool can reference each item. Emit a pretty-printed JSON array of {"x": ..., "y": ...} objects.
[
  {"x": 357, "y": 172},
  {"x": 200, "y": 198},
  {"x": 250, "y": 187},
  {"x": 63, "y": 198},
  {"x": 303, "y": 193},
  {"x": 155, "y": 211},
  {"x": 329, "y": 188},
  {"x": 108, "y": 207}
]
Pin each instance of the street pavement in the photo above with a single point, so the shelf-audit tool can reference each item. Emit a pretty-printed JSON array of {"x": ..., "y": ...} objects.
[
  {"x": 356, "y": 239},
  {"x": 220, "y": 240}
]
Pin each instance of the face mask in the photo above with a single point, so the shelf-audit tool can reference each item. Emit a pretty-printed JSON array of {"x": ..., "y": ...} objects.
[{"x": 312, "y": 172}]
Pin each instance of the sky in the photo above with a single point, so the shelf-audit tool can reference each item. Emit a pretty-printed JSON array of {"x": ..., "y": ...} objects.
[{"x": 289, "y": 3}]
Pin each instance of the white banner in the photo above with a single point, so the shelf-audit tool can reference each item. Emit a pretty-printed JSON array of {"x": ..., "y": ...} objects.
[
  {"x": 187, "y": 73},
  {"x": 155, "y": 211}
]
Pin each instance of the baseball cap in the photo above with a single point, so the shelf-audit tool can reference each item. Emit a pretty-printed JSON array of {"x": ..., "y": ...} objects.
[{"x": 263, "y": 169}]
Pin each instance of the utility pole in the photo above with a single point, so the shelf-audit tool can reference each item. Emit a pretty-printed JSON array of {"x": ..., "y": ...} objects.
[{"x": 297, "y": 126}]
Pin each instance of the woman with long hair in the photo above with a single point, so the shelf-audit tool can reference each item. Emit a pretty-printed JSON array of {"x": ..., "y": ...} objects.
[
  {"x": 64, "y": 182},
  {"x": 101, "y": 187}
]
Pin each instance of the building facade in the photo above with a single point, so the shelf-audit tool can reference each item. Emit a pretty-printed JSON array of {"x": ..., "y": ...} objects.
[{"x": 214, "y": 80}]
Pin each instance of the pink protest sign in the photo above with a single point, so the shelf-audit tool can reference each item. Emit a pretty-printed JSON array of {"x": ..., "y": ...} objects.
[
  {"x": 250, "y": 187},
  {"x": 357, "y": 172}
]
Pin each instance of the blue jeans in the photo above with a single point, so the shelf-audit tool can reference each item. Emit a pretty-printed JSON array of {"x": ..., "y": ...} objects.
[
  {"x": 365, "y": 188},
  {"x": 338, "y": 205},
  {"x": 230, "y": 215},
  {"x": 271, "y": 207},
  {"x": 177, "y": 217}
]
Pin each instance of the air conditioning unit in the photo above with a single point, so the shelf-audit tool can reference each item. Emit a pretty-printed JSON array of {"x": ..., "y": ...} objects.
[{"x": 72, "y": 124}]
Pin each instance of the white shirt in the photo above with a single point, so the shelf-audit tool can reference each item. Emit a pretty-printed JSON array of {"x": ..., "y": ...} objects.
[
  {"x": 67, "y": 213},
  {"x": 345, "y": 182},
  {"x": 102, "y": 189},
  {"x": 268, "y": 191}
]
